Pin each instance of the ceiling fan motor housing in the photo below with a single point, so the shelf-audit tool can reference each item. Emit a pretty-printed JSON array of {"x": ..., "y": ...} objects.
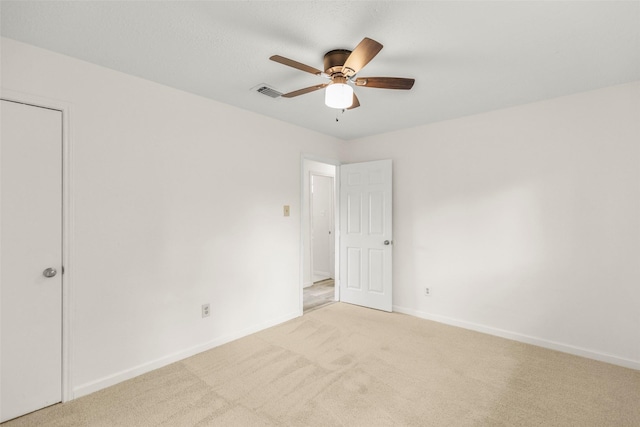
[{"x": 334, "y": 60}]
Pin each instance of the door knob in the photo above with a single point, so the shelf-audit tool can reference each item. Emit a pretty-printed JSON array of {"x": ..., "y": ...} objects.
[
  {"x": 49, "y": 272},
  {"x": 387, "y": 242}
]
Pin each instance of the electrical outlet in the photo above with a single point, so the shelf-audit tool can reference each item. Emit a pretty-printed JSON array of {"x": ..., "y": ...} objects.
[
  {"x": 427, "y": 292},
  {"x": 205, "y": 310}
]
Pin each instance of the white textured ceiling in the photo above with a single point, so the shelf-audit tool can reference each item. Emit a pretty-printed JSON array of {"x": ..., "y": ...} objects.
[{"x": 466, "y": 57}]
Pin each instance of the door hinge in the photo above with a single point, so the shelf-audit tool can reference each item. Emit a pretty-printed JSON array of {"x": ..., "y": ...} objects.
[{"x": 62, "y": 269}]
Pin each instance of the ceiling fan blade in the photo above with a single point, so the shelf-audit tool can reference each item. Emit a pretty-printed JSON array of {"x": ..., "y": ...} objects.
[
  {"x": 305, "y": 90},
  {"x": 385, "y": 82},
  {"x": 295, "y": 64},
  {"x": 356, "y": 102},
  {"x": 360, "y": 56}
]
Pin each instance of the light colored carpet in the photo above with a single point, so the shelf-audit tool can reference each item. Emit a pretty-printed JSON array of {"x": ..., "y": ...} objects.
[{"x": 344, "y": 365}]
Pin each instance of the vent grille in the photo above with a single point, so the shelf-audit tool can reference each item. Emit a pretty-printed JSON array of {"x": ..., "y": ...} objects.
[{"x": 269, "y": 91}]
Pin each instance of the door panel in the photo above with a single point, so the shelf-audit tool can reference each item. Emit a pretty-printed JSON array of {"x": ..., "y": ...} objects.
[
  {"x": 376, "y": 261},
  {"x": 31, "y": 241},
  {"x": 354, "y": 210},
  {"x": 353, "y": 268},
  {"x": 366, "y": 218},
  {"x": 376, "y": 213}
]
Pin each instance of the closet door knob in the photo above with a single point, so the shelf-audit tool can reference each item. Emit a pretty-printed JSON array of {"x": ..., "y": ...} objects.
[{"x": 49, "y": 272}]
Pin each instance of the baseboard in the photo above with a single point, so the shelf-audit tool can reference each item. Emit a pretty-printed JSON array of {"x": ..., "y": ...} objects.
[
  {"x": 91, "y": 387},
  {"x": 552, "y": 345},
  {"x": 322, "y": 274}
]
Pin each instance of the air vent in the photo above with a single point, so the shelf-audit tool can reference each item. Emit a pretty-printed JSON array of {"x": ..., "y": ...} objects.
[{"x": 267, "y": 90}]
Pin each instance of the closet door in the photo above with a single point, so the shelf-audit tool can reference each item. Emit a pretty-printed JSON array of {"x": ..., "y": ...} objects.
[{"x": 30, "y": 259}]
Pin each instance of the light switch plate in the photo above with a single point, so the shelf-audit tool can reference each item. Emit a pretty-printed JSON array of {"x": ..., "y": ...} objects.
[{"x": 286, "y": 210}]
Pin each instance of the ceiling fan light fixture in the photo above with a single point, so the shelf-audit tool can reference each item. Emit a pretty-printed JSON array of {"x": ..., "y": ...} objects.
[{"x": 338, "y": 95}]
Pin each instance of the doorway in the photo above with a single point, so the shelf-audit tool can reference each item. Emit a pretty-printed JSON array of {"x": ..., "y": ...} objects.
[
  {"x": 318, "y": 234},
  {"x": 363, "y": 247}
]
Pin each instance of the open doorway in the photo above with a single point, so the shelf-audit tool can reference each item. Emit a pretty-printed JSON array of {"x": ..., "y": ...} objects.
[{"x": 318, "y": 234}]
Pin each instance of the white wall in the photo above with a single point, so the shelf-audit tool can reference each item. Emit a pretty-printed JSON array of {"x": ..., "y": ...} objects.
[
  {"x": 524, "y": 222},
  {"x": 177, "y": 201},
  {"x": 322, "y": 218},
  {"x": 310, "y": 166}
]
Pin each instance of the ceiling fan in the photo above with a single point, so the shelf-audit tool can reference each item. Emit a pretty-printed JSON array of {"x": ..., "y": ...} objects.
[{"x": 341, "y": 67}]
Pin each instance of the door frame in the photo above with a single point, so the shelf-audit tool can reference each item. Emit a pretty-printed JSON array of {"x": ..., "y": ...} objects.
[
  {"x": 333, "y": 225},
  {"x": 67, "y": 222},
  {"x": 336, "y": 226}
]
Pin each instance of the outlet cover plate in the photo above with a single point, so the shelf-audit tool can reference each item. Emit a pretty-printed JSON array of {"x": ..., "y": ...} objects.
[{"x": 206, "y": 310}]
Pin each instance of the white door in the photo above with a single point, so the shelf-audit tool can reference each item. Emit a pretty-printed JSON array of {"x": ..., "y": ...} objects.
[
  {"x": 365, "y": 234},
  {"x": 322, "y": 226},
  {"x": 31, "y": 242}
]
